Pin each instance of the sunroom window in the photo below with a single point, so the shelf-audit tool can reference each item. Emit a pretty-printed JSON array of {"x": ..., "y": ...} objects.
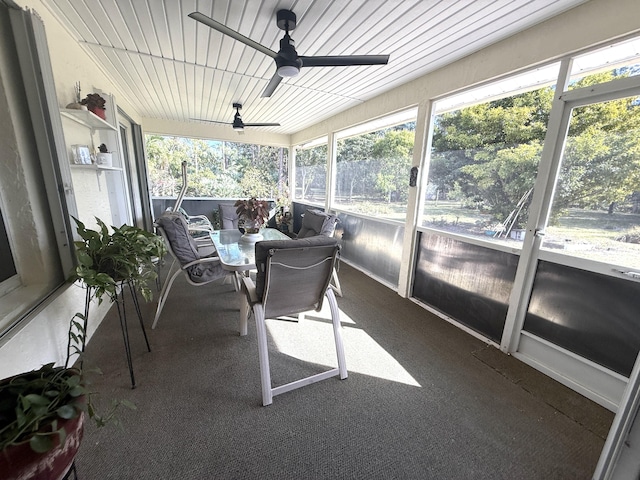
[
  {"x": 311, "y": 172},
  {"x": 216, "y": 171},
  {"x": 486, "y": 146},
  {"x": 373, "y": 162},
  {"x": 613, "y": 62}
]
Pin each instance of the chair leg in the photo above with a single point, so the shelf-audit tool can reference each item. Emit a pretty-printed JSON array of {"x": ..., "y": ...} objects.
[
  {"x": 163, "y": 296},
  {"x": 244, "y": 315},
  {"x": 263, "y": 355},
  {"x": 237, "y": 282},
  {"x": 337, "y": 333},
  {"x": 335, "y": 283}
]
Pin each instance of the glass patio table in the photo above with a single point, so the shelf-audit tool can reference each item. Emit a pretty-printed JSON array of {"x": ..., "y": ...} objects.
[
  {"x": 239, "y": 257},
  {"x": 236, "y": 255}
]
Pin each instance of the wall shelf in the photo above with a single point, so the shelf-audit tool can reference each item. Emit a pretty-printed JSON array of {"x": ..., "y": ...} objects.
[
  {"x": 86, "y": 118},
  {"x": 95, "y": 167}
]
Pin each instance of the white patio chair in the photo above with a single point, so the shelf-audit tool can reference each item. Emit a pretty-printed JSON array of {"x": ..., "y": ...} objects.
[
  {"x": 293, "y": 277},
  {"x": 199, "y": 265}
]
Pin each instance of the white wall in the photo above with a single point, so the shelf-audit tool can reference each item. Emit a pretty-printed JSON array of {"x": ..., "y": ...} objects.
[{"x": 43, "y": 337}]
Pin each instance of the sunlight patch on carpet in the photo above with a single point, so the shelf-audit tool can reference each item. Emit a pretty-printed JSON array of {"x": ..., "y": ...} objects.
[{"x": 311, "y": 340}]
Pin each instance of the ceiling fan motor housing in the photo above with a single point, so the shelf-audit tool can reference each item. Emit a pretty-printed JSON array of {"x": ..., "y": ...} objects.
[
  {"x": 286, "y": 20},
  {"x": 238, "y": 124},
  {"x": 287, "y": 56}
]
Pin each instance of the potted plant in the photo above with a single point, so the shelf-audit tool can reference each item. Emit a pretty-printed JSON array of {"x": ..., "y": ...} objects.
[
  {"x": 252, "y": 214},
  {"x": 41, "y": 422},
  {"x": 95, "y": 104},
  {"x": 106, "y": 259},
  {"x": 283, "y": 215},
  {"x": 42, "y": 415},
  {"x": 104, "y": 157},
  {"x": 107, "y": 263}
]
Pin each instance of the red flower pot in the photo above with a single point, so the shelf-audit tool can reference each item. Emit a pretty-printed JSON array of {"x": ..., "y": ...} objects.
[
  {"x": 19, "y": 462},
  {"x": 99, "y": 112}
]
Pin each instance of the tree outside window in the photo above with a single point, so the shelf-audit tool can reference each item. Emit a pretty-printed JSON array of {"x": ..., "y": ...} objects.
[
  {"x": 373, "y": 172},
  {"x": 215, "y": 169}
]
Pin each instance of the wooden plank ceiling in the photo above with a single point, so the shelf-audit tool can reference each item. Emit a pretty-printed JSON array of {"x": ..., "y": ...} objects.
[{"x": 169, "y": 66}]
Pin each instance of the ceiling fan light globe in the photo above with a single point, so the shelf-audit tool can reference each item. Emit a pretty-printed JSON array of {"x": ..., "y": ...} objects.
[
  {"x": 288, "y": 71},
  {"x": 238, "y": 127}
]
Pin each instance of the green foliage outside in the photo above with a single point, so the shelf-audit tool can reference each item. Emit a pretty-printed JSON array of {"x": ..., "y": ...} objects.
[
  {"x": 374, "y": 168},
  {"x": 486, "y": 156},
  {"x": 214, "y": 168},
  {"x": 311, "y": 172}
]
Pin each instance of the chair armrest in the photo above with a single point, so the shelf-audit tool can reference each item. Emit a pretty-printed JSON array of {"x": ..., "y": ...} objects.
[
  {"x": 249, "y": 288},
  {"x": 200, "y": 228},
  {"x": 201, "y": 218},
  {"x": 203, "y": 242},
  {"x": 201, "y": 260}
]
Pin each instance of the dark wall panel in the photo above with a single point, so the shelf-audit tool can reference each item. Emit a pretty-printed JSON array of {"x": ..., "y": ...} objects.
[
  {"x": 373, "y": 246},
  {"x": 467, "y": 282},
  {"x": 595, "y": 316}
]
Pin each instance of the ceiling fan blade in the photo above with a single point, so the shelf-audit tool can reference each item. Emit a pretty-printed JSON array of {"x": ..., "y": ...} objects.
[
  {"x": 232, "y": 33},
  {"x": 344, "y": 60},
  {"x": 273, "y": 83},
  {"x": 261, "y": 124},
  {"x": 210, "y": 121}
]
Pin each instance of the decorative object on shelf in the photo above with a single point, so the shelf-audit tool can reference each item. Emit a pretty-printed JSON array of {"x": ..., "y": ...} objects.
[
  {"x": 95, "y": 104},
  {"x": 77, "y": 105},
  {"x": 80, "y": 154},
  {"x": 252, "y": 214},
  {"x": 104, "y": 157}
]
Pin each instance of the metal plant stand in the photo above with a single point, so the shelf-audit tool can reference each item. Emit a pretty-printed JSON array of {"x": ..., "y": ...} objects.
[{"x": 122, "y": 315}]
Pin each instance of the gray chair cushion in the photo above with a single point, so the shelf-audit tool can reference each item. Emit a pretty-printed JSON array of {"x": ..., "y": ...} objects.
[
  {"x": 316, "y": 222},
  {"x": 177, "y": 231},
  {"x": 228, "y": 216},
  {"x": 185, "y": 250},
  {"x": 262, "y": 252}
]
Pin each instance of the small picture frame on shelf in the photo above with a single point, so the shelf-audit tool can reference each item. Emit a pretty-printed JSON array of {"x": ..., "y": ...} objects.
[{"x": 81, "y": 155}]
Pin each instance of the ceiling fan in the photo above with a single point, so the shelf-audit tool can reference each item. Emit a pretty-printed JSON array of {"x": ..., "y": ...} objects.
[
  {"x": 287, "y": 59},
  {"x": 237, "y": 123}
]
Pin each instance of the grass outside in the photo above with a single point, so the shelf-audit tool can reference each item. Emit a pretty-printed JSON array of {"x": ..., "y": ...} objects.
[{"x": 588, "y": 234}]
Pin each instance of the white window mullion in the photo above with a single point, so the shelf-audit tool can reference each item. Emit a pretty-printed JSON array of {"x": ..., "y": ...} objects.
[
  {"x": 332, "y": 159},
  {"x": 538, "y": 214},
  {"x": 415, "y": 206}
]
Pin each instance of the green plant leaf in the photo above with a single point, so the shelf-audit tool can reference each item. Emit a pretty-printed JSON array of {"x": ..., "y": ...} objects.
[
  {"x": 84, "y": 258},
  {"x": 77, "y": 391},
  {"x": 35, "y": 399},
  {"x": 21, "y": 418},
  {"x": 52, "y": 393},
  {"x": 41, "y": 443},
  {"x": 66, "y": 412},
  {"x": 130, "y": 405},
  {"x": 73, "y": 380}
]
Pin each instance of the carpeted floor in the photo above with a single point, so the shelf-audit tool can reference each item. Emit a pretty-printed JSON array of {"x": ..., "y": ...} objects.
[{"x": 423, "y": 400}]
